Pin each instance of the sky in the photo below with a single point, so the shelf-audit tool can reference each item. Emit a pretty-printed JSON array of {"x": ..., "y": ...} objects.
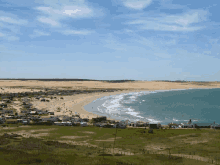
[{"x": 110, "y": 39}]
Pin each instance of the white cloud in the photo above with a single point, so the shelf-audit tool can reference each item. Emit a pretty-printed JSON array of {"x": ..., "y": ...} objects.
[
  {"x": 158, "y": 47},
  {"x": 76, "y": 32},
  {"x": 9, "y": 37},
  {"x": 12, "y": 38},
  {"x": 187, "y": 18},
  {"x": 182, "y": 22},
  {"x": 70, "y": 12},
  {"x": 137, "y": 4},
  {"x": 12, "y": 21},
  {"x": 10, "y": 26},
  {"x": 67, "y": 11},
  {"x": 38, "y": 33},
  {"x": 169, "y": 4},
  {"x": 49, "y": 21},
  {"x": 1, "y": 34},
  {"x": 128, "y": 31},
  {"x": 54, "y": 11},
  {"x": 111, "y": 42}
]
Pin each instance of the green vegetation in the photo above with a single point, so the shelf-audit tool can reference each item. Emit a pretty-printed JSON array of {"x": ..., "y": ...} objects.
[{"x": 94, "y": 145}]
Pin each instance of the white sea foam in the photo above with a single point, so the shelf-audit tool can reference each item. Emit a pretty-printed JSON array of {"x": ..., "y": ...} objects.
[
  {"x": 153, "y": 120},
  {"x": 114, "y": 105},
  {"x": 133, "y": 113}
]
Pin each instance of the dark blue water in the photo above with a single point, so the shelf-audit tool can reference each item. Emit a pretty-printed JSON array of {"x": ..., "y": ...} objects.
[{"x": 200, "y": 105}]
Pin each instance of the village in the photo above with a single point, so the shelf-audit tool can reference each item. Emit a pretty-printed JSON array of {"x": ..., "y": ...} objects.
[{"x": 29, "y": 115}]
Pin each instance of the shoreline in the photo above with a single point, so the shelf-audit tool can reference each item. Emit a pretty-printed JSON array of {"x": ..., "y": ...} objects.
[
  {"x": 75, "y": 103},
  {"x": 133, "y": 91}
]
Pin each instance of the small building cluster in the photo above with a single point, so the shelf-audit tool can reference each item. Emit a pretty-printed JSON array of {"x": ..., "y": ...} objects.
[
  {"x": 194, "y": 125},
  {"x": 33, "y": 116}
]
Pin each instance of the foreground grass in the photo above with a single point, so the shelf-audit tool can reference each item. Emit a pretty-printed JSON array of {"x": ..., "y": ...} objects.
[{"x": 93, "y": 145}]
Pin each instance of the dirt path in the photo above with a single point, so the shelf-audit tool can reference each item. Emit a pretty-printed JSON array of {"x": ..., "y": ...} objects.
[{"x": 196, "y": 157}]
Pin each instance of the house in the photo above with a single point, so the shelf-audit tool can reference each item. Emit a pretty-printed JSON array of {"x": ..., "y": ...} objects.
[
  {"x": 49, "y": 119},
  {"x": 77, "y": 119},
  {"x": 43, "y": 100},
  {"x": 7, "y": 97},
  {"x": 83, "y": 124},
  {"x": 26, "y": 99},
  {"x": 215, "y": 126},
  {"x": 99, "y": 119},
  {"x": 153, "y": 126},
  {"x": 119, "y": 125},
  {"x": 11, "y": 121},
  {"x": 22, "y": 115},
  {"x": 19, "y": 120},
  {"x": 8, "y": 111},
  {"x": 202, "y": 125},
  {"x": 98, "y": 124},
  {"x": 6, "y": 100},
  {"x": 33, "y": 113},
  {"x": 2, "y": 120},
  {"x": 132, "y": 124},
  {"x": 67, "y": 123},
  {"x": 188, "y": 126},
  {"x": 173, "y": 125},
  {"x": 2, "y": 113},
  {"x": 108, "y": 126},
  {"x": 85, "y": 120},
  {"x": 51, "y": 113},
  {"x": 65, "y": 118},
  {"x": 9, "y": 117},
  {"x": 127, "y": 122},
  {"x": 23, "y": 121},
  {"x": 76, "y": 123},
  {"x": 3, "y": 105},
  {"x": 111, "y": 121},
  {"x": 141, "y": 124},
  {"x": 27, "y": 105},
  {"x": 58, "y": 123}
]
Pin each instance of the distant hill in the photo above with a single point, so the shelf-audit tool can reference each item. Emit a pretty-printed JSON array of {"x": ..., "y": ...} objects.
[{"x": 57, "y": 79}]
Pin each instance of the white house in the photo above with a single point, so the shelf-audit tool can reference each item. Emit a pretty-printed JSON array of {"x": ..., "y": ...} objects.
[{"x": 83, "y": 124}]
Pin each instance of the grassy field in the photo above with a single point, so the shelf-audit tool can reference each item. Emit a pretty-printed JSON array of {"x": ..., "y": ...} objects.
[{"x": 94, "y": 145}]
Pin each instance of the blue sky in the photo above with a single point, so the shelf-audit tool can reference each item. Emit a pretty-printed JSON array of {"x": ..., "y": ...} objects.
[{"x": 110, "y": 39}]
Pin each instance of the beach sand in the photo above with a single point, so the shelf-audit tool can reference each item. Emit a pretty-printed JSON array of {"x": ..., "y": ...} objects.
[{"x": 71, "y": 104}]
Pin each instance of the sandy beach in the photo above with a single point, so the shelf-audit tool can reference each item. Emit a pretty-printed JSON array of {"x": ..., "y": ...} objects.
[{"x": 71, "y": 104}]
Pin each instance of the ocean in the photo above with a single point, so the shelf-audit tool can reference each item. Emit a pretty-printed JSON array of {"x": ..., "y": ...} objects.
[{"x": 161, "y": 106}]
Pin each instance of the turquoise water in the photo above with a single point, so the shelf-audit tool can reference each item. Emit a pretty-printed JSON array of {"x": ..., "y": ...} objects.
[{"x": 200, "y": 105}]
